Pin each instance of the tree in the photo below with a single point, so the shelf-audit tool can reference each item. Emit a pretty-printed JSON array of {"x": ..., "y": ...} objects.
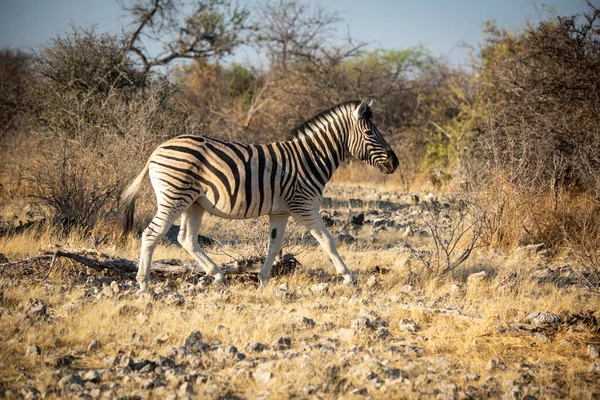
[{"x": 213, "y": 29}]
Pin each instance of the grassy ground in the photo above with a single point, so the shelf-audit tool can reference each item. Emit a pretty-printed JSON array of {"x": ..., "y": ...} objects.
[{"x": 396, "y": 335}]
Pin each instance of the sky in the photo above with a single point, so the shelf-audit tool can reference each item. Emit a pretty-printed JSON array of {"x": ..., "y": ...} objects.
[{"x": 442, "y": 26}]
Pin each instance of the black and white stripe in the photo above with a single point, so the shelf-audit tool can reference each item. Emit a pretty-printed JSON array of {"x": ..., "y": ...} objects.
[{"x": 193, "y": 174}]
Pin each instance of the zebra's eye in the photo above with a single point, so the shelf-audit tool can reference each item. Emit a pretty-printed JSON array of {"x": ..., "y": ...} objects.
[{"x": 369, "y": 133}]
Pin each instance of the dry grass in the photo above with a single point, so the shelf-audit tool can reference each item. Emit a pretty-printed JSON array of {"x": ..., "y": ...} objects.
[{"x": 453, "y": 350}]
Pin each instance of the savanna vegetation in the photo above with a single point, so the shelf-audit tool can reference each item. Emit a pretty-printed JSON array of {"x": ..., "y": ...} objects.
[{"x": 499, "y": 174}]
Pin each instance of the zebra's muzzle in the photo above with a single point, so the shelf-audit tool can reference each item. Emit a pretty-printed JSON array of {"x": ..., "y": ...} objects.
[{"x": 391, "y": 164}]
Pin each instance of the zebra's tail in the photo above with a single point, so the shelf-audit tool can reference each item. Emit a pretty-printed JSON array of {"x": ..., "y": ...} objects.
[{"x": 127, "y": 200}]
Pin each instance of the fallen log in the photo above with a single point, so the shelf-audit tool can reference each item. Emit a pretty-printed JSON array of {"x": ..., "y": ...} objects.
[{"x": 101, "y": 262}]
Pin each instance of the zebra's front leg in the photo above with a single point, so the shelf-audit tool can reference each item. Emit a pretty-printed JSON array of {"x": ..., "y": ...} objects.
[
  {"x": 276, "y": 231},
  {"x": 315, "y": 225}
]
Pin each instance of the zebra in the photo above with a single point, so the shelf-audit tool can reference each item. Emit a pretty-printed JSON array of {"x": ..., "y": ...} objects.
[{"x": 192, "y": 175}]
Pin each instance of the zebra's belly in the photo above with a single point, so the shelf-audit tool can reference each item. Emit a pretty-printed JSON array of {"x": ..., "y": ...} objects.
[{"x": 240, "y": 213}]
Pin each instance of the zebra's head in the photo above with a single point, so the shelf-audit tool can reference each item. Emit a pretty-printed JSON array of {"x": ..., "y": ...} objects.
[{"x": 366, "y": 142}]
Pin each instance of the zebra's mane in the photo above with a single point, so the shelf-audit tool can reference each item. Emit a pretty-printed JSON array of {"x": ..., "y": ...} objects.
[{"x": 308, "y": 127}]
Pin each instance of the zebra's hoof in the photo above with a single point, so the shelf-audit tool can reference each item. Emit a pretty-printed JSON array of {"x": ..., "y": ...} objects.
[
  {"x": 143, "y": 287},
  {"x": 220, "y": 280},
  {"x": 349, "y": 280},
  {"x": 263, "y": 281}
]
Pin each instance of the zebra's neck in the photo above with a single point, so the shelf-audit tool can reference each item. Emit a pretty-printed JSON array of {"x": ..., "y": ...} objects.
[{"x": 323, "y": 143}]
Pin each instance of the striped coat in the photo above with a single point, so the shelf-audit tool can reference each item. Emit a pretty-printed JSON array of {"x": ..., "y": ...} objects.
[{"x": 195, "y": 174}]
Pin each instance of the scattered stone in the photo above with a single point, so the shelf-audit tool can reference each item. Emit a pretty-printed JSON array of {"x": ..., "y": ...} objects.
[
  {"x": 542, "y": 318},
  {"x": 191, "y": 338},
  {"x": 308, "y": 322},
  {"x": 283, "y": 343},
  {"x": 33, "y": 351},
  {"x": 543, "y": 273},
  {"x": 185, "y": 389},
  {"x": 356, "y": 219},
  {"x": 263, "y": 373},
  {"x": 345, "y": 238},
  {"x": 114, "y": 286},
  {"x": 593, "y": 351},
  {"x": 495, "y": 364},
  {"x": 406, "y": 325},
  {"x": 92, "y": 376},
  {"x": 68, "y": 380},
  {"x": 126, "y": 362},
  {"x": 255, "y": 347},
  {"x": 175, "y": 299},
  {"x": 110, "y": 361},
  {"x": 372, "y": 281},
  {"x": 319, "y": 289},
  {"x": 594, "y": 367},
  {"x": 94, "y": 345},
  {"x": 359, "y": 392},
  {"x": 161, "y": 339},
  {"x": 361, "y": 324},
  {"x": 382, "y": 333},
  {"x": 344, "y": 334},
  {"x": 406, "y": 289}
]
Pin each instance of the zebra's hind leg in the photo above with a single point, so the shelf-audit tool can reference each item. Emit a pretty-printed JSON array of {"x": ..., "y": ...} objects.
[
  {"x": 191, "y": 220},
  {"x": 314, "y": 223},
  {"x": 158, "y": 227},
  {"x": 276, "y": 232}
]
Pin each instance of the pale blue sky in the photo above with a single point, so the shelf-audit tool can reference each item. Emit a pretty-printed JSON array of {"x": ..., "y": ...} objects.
[{"x": 440, "y": 25}]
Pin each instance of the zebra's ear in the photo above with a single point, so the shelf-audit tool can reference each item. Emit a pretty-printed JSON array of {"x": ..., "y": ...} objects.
[{"x": 360, "y": 110}]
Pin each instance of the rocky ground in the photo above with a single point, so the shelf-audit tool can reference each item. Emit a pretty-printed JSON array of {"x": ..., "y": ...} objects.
[{"x": 513, "y": 326}]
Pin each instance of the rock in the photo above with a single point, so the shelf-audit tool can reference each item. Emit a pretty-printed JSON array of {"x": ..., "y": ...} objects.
[
  {"x": 283, "y": 343},
  {"x": 255, "y": 347},
  {"x": 477, "y": 279},
  {"x": 304, "y": 321},
  {"x": 382, "y": 333},
  {"x": 94, "y": 345},
  {"x": 495, "y": 364},
  {"x": 356, "y": 203},
  {"x": 35, "y": 308},
  {"x": 406, "y": 289},
  {"x": 356, "y": 219},
  {"x": 33, "y": 351},
  {"x": 114, "y": 286},
  {"x": 262, "y": 376},
  {"x": 126, "y": 362},
  {"x": 68, "y": 380},
  {"x": 406, "y": 325},
  {"x": 594, "y": 367},
  {"x": 593, "y": 351},
  {"x": 344, "y": 334},
  {"x": 542, "y": 318},
  {"x": 175, "y": 299},
  {"x": 319, "y": 289},
  {"x": 228, "y": 352},
  {"x": 359, "y": 392},
  {"x": 372, "y": 281},
  {"x": 185, "y": 389},
  {"x": 191, "y": 338},
  {"x": 361, "y": 324},
  {"x": 543, "y": 273},
  {"x": 345, "y": 238},
  {"x": 92, "y": 376},
  {"x": 3, "y": 259},
  {"x": 110, "y": 361},
  {"x": 161, "y": 339}
]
